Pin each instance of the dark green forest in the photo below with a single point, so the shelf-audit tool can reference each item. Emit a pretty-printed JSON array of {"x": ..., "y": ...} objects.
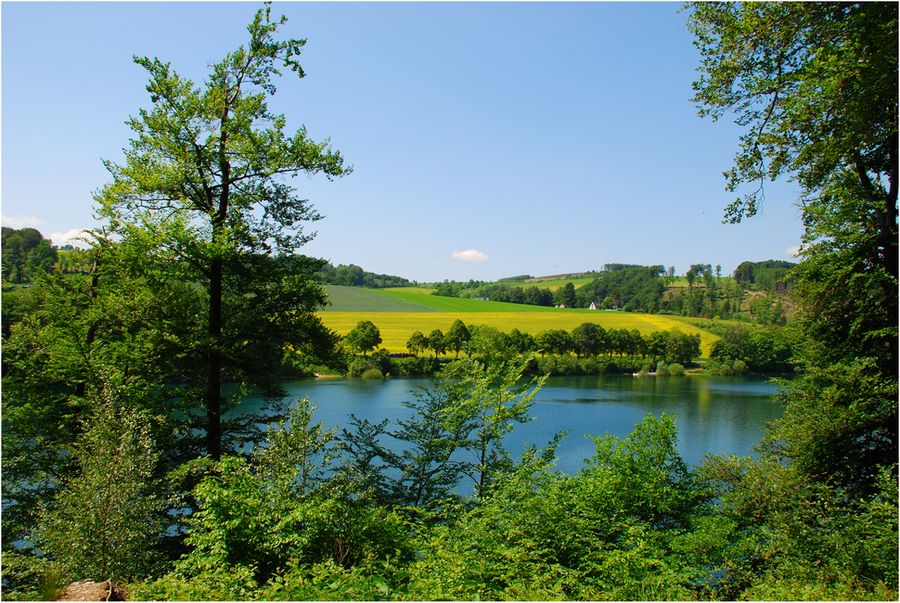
[{"x": 121, "y": 461}]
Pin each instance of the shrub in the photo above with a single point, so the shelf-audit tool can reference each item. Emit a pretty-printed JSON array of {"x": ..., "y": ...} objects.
[
  {"x": 413, "y": 366},
  {"x": 105, "y": 523},
  {"x": 676, "y": 370},
  {"x": 358, "y": 366},
  {"x": 373, "y": 373},
  {"x": 661, "y": 369},
  {"x": 593, "y": 366}
]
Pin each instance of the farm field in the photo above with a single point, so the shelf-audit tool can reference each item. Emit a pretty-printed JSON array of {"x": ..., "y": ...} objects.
[
  {"x": 554, "y": 284},
  {"x": 351, "y": 299},
  {"x": 399, "y": 312}
]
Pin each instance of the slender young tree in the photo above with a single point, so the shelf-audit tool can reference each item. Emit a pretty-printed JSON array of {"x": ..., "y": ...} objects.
[{"x": 206, "y": 172}]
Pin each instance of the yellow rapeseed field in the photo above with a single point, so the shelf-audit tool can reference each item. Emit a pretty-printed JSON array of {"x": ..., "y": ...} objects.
[{"x": 396, "y": 327}]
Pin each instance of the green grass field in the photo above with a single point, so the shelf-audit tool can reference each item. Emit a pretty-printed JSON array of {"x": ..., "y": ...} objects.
[
  {"x": 554, "y": 284},
  {"x": 352, "y": 299},
  {"x": 399, "y": 312}
]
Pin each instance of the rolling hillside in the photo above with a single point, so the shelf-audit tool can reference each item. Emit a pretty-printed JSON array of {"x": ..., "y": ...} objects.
[{"x": 399, "y": 312}]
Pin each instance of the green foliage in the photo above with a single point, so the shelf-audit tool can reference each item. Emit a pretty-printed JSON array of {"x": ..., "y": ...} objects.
[
  {"x": 457, "y": 337},
  {"x": 205, "y": 177},
  {"x": 436, "y": 342},
  {"x": 489, "y": 344},
  {"x": 635, "y": 288},
  {"x": 29, "y": 578},
  {"x": 26, "y": 255},
  {"x": 544, "y": 535},
  {"x": 107, "y": 520},
  {"x": 428, "y": 464},
  {"x": 756, "y": 348},
  {"x": 354, "y": 276},
  {"x": 417, "y": 343},
  {"x": 328, "y": 581},
  {"x": 289, "y": 507},
  {"x": 676, "y": 370},
  {"x": 840, "y": 423},
  {"x": 489, "y": 400},
  {"x": 373, "y": 374},
  {"x": 810, "y": 84},
  {"x": 364, "y": 337},
  {"x": 763, "y": 275},
  {"x": 808, "y": 107}
]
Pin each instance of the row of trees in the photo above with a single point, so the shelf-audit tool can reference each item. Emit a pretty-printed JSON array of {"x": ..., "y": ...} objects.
[
  {"x": 353, "y": 276},
  {"x": 587, "y": 339}
]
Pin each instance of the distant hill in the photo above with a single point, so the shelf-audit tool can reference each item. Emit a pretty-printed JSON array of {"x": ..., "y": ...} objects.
[
  {"x": 353, "y": 276},
  {"x": 558, "y": 277}
]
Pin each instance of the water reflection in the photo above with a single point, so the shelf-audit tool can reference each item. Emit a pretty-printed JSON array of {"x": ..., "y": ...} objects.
[{"x": 714, "y": 414}]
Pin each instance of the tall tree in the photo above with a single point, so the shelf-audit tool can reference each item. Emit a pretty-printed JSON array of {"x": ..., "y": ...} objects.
[
  {"x": 364, "y": 337},
  {"x": 206, "y": 173},
  {"x": 457, "y": 337},
  {"x": 815, "y": 87}
]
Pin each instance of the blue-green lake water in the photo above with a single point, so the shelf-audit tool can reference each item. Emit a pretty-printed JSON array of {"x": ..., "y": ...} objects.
[{"x": 717, "y": 415}]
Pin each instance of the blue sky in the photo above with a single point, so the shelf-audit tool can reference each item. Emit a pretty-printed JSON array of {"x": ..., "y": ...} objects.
[{"x": 487, "y": 139}]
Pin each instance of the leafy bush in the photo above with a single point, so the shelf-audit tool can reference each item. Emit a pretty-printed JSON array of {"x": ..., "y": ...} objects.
[
  {"x": 287, "y": 505},
  {"x": 676, "y": 370},
  {"x": 328, "y": 581},
  {"x": 105, "y": 523},
  {"x": 373, "y": 374},
  {"x": 29, "y": 578},
  {"x": 413, "y": 366},
  {"x": 604, "y": 533},
  {"x": 358, "y": 366}
]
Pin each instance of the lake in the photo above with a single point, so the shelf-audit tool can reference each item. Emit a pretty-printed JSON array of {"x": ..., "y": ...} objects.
[{"x": 714, "y": 414}]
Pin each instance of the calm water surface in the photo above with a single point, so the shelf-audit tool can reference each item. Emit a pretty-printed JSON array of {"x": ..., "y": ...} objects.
[{"x": 714, "y": 414}]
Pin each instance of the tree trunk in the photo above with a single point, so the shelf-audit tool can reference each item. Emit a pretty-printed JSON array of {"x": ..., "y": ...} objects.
[
  {"x": 216, "y": 270},
  {"x": 213, "y": 396}
]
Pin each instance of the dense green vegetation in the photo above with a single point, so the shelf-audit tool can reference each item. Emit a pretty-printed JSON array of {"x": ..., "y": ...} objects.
[
  {"x": 120, "y": 462},
  {"x": 26, "y": 254},
  {"x": 354, "y": 276}
]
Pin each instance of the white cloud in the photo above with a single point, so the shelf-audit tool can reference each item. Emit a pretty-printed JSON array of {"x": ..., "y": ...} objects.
[
  {"x": 793, "y": 251},
  {"x": 20, "y": 221},
  {"x": 70, "y": 237},
  {"x": 470, "y": 255}
]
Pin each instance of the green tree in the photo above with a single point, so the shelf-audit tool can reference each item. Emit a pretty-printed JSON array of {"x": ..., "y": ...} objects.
[
  {"x": 364, "y": 337},
  {"x": 202, "y": 163},
  {"x": 490, "y": 399},
  {"x": 437, "y": 342},
  {"x": 554, "y": 341},
  {"x": 428, "y": 464},
  {"x": 814, "y": 86},
  {"x": 417, "y": 342},
  {"x": 520, "y": 341},
  {"x": 107, "y": 521},
  {"x": 588, "y": 338},
  {"x": 457, "y": 336},
  {"x": 26, "y": 254},
  {"x": 489, "y": 344},
  {"x": 566, "y": 296}
]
